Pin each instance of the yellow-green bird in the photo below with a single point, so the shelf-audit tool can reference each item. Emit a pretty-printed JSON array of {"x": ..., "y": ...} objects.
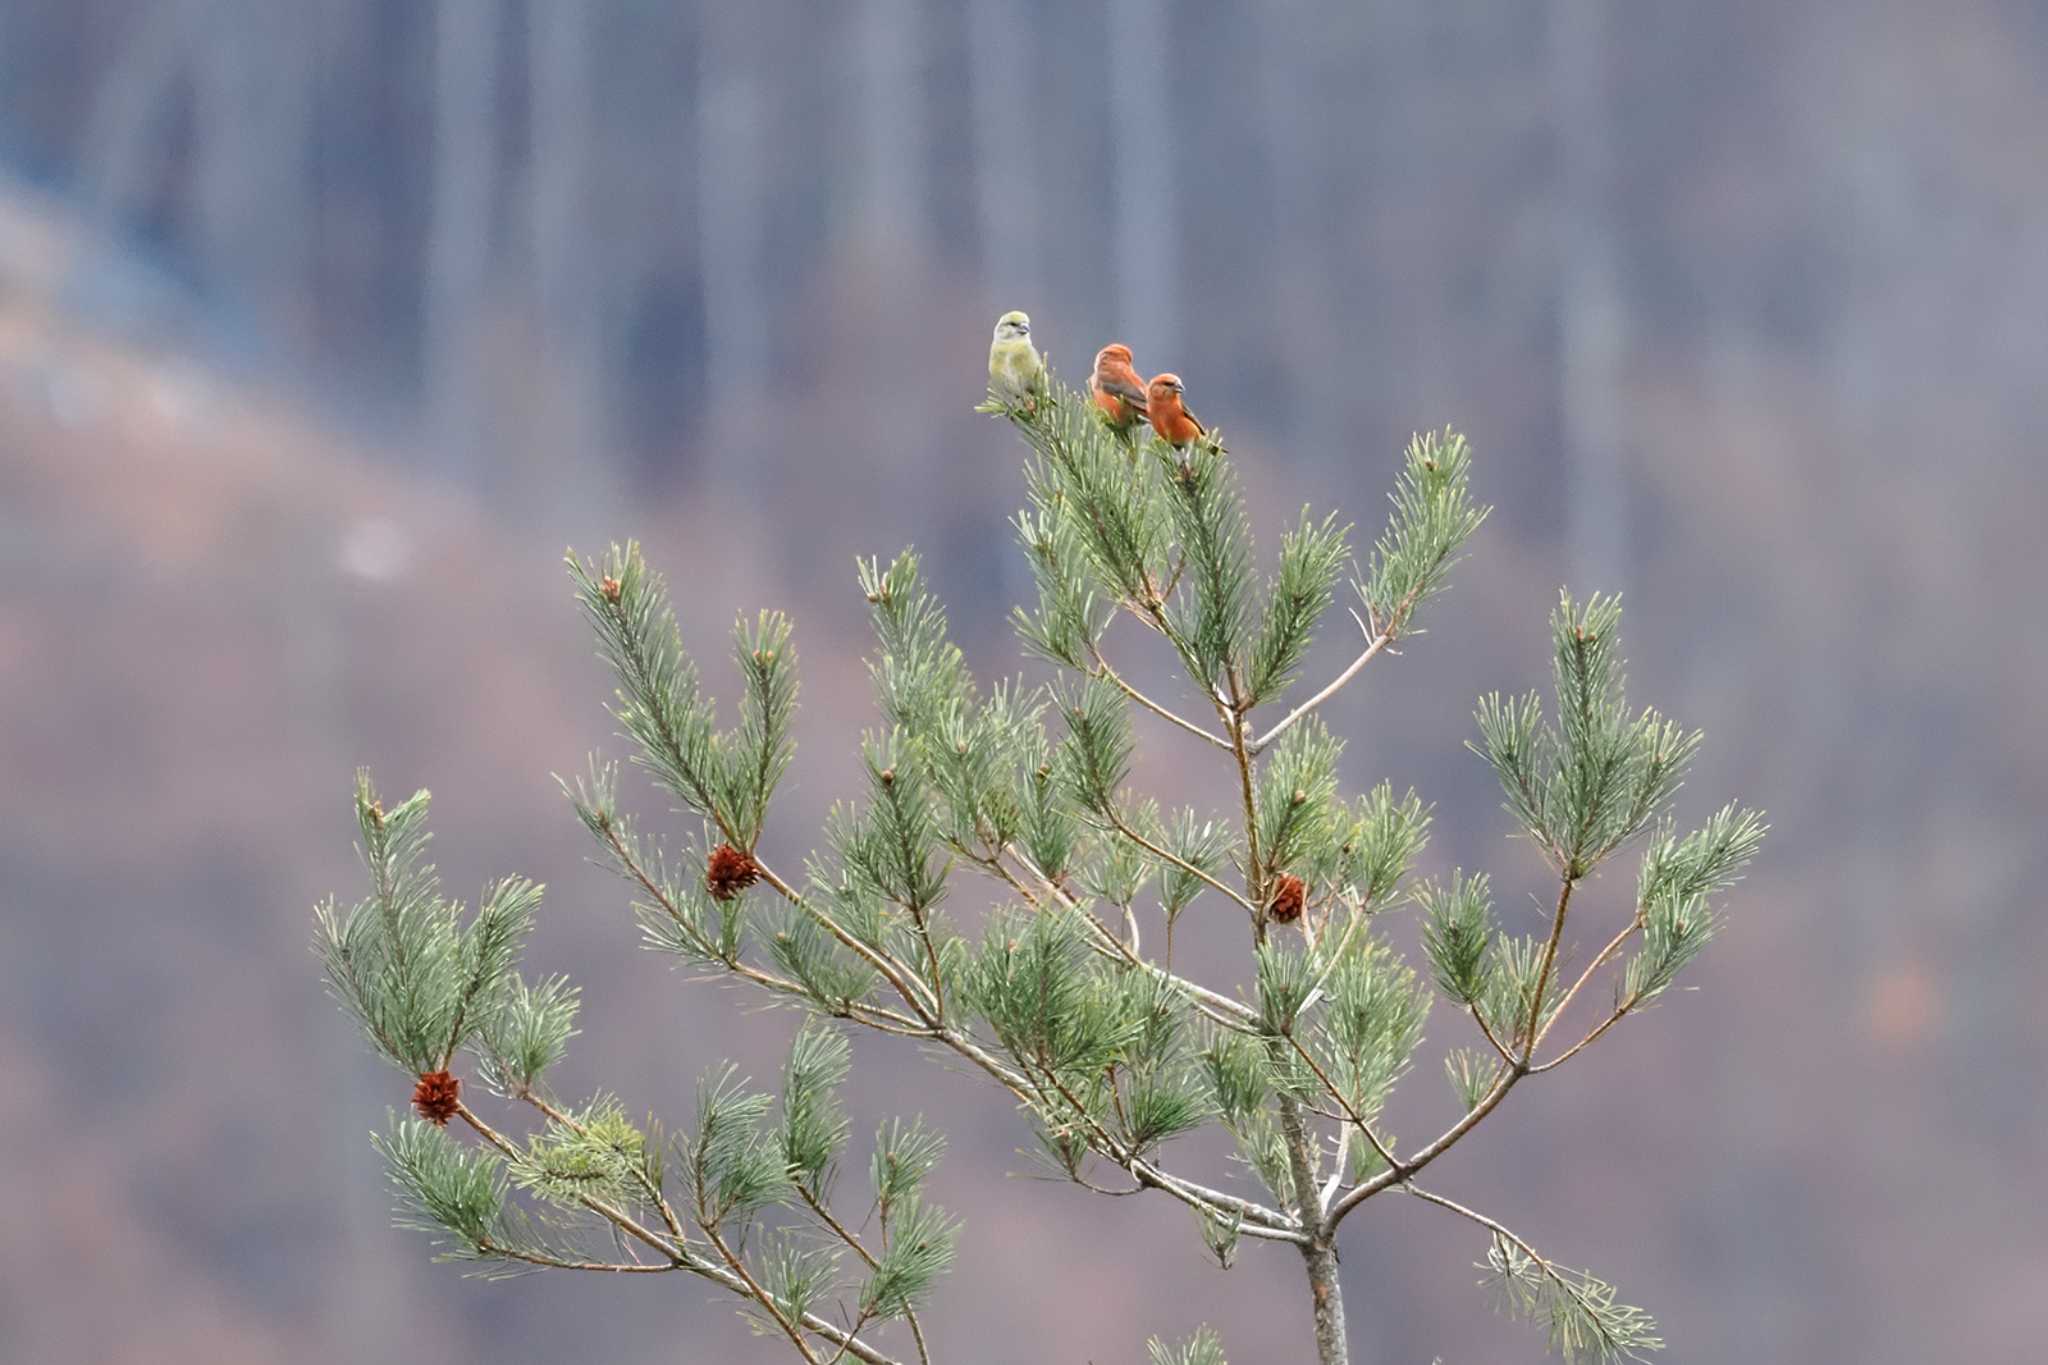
[{"x": 1015, "y": 373}]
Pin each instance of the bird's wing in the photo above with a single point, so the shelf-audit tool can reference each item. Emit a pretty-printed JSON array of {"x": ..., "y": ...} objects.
[{"x": 1132, "y": 394}]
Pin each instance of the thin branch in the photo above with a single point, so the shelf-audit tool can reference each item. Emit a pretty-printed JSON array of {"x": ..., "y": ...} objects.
[
  {"x": 1118, "y": 823},
  {"x": 1232, "y": 1014},
  {"x": 1336, "y": 1180},
  {"x": 823, "y": 1212},
  {"x": 542, "y": 1258},
  {"x": 1487, "y": 1029},
  {"x": 1342, "y": 1103},
  {"x": 760, "y": 1295},
  {"x": 875, "y": 1016},
  {"x": 1287, "y": 722},
  {"x": 1564, "y": 901},
  {"x": 1230, "y": 711},
  {"x": 931, "y": 955},
  {"x": 1620, "y": 1011},
  {"x": 891, "y": 969},
  {"x": 1268, "y": 1222},
  {"x": 1106, "y": 671},
  {"x": 1399, "y": 1172},
  {"x": 1600, "y": 959},
  {"x": 1543, "y": 1263}
]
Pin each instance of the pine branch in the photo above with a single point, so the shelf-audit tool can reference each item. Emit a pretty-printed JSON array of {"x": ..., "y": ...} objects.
[{"x": 1580, "y": 1312}]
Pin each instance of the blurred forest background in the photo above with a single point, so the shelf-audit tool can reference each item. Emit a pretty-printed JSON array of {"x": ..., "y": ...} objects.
[{"x": 324, "y": 326}]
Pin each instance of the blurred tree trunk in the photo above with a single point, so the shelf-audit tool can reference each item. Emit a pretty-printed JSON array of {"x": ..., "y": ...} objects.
[
  {"x": 732, "y": 158},
  {"x": 459, "y": 237},
  {"x": 889, "y": 181},
  {"x": 1592, "y": 321},
  {"x": 254, "y": 129},
  {"x": 1301, "y": 278},
  {"x": 127, "y": 109},
  {"x": 1147, "y": 232},
  {"x": 558, "y": 71},
  {"x": 1006, "y": 190}
]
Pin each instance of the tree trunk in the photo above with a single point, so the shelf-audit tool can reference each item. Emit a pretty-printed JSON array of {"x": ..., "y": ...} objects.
[
  {"x": 1327, "y": 1299},
  {"x": 1326, "y": 1294}
]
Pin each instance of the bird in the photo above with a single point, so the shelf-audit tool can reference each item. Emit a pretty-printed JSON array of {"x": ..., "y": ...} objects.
[
  {"x": 1116, "y": 387},
  {"x": 1016, "y": 375},
  {"x": 1175, "y": 424}
]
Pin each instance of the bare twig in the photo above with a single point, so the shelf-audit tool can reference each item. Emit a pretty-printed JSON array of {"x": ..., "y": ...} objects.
[
  {"x": 1103, "y": 669},
  {"x": 1287, "y": 722},
  {"x": 1350, "y": 1113},
  {"x": 542, "y": 1258},
  {"x": 1122, "y": 826},
  {"x": 758, "y": 1294},
  {"x": 1600, "y": 959},
  {"x": 1264, "y": 1222},
  {"x": 1620, "y": 1011},
  {"x": 1487, "y": 1029},
  {"x": 1336, "y": 1180},
  {"x": 1564, "y": 901}
]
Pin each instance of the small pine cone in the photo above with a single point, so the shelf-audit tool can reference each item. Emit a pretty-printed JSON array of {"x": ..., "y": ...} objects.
[
  {"x": 1289, "y": 896},
  {"x": 610, "y": 587},
  {"x": 729, "y": 871},
  {"x": 436, "y": 1097}
]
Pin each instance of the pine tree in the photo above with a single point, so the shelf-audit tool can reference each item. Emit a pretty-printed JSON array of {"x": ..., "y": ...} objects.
[{"x": 1054, "y": 995}]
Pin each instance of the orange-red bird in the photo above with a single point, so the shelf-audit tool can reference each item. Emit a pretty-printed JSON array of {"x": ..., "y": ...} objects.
[
  {"x": 1174, "y": 423},
  {"x": 1116, "y": 386}
]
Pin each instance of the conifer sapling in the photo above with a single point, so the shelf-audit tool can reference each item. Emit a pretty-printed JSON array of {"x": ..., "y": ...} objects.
[{"x": 1058, "y": 987}]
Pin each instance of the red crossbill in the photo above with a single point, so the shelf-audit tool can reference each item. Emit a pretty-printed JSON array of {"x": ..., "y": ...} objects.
[
  {"x": 1174, "y": 423},
  {"x": 1116, "y": 387}
]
